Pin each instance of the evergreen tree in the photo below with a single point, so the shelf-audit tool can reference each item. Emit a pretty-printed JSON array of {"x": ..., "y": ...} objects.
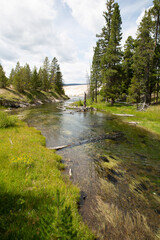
[
  {"x": 40, "y": 77},
  {"x": 46, "y": 71},
  {"x": 95, "y": 80},
  {"x": 27, "y": 77},
  {"x": 127, "y": 64},
  {"x": 17, "y": 79},
  {"x": 104, "y": 37},
  {"x": 35, "y": 84},
  {"x": 113, "y": 55},
  {"x": 155, "y": 12},
  {"x": 11, "y": 76},
  {"x": 59, "y": 81},
  {"x": 3, "y": 78},
  {"x": 53, "y": 71},
  {"x": 48, "y": 76},
  {"x": 143, "y": 59}
]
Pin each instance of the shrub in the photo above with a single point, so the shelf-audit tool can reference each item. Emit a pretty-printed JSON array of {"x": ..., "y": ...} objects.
[
  {"x": 79, "y": 103},
  {"x": 6, "y": 120}
]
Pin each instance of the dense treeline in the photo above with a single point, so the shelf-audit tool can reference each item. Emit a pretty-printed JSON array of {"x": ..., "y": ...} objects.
[
  {"x": 48, "y": 77},
  {"x": 133, "y": 73}
]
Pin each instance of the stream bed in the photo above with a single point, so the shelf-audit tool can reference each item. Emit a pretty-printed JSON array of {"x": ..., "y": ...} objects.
[{"x": 115, "y": 165}]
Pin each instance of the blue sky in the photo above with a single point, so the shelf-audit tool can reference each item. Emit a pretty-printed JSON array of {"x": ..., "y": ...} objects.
[{"x": 30, "y": 30}]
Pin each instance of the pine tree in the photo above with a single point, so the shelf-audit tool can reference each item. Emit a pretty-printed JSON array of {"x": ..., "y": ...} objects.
[
  {"x": 35, "y": 84},
  {"x": 113, "y": 55},
  {"x": 53, "y": 71},
  {"x": 46, "y": 71},
  {"x": 3, "y": 78},
  {"x": 95, "y": 80},
  {"x": 143, "y": 59},
  {"x": 59, "y": 81},
  {"x": 17, "y": 79},
  {"x": 104, "y": 37},
  {"x": 27, "y": 77},
  {"x": 155, "y": 12},
  {"x": 40, "y": 77},
  {"x": 127, "y": 64},
  {"x": 11, "y": 76}
]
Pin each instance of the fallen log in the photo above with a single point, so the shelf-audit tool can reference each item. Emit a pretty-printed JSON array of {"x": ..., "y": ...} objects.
[
  {"x": 133, "y": 123},
  {"x": 59, "y": 147},
  {"x": 112, "y": 136}
]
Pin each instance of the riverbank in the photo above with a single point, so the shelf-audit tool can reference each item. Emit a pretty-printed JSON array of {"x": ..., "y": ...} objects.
[
  {"x": 149, "y": 119},
  {"x": 9, "y": 97},
  {"x": 115, "y": 165},
  {"x": 36, "y": 201}
]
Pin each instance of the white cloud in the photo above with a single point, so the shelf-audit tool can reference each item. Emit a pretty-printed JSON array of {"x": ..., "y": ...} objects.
[
  {"x": 30, "y": 30},
  {"x": 88, "y": 13},
  {"x": 79, "y": 70}
]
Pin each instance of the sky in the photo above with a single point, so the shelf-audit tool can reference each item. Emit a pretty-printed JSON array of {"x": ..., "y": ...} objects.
[{"x": 30, "y": 30}]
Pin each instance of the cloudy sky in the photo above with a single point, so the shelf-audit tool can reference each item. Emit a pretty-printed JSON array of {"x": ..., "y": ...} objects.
[{"x": 30, "y": 30}]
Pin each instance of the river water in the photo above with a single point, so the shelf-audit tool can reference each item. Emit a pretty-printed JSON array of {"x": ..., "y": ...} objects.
[{"x": 115, "y": 165}]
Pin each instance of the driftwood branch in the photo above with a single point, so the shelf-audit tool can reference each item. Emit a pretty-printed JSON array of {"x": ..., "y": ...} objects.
[
  {"x": 10, "y": 141},
  {"x": 111, "y": 136},
  {"x": 59, "y": 147}
]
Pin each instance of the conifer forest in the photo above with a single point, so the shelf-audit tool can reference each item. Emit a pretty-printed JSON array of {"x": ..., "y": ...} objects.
[{"x": 131, "y": 72}]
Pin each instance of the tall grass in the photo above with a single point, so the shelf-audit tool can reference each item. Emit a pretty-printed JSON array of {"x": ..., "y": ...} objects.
[
  {"x": 6, "y": 120},
  {"x": 122, "y": 226}
]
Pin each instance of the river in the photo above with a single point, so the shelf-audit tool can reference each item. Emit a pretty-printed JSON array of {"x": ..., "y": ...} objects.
[{"x": 115, "y": 165}]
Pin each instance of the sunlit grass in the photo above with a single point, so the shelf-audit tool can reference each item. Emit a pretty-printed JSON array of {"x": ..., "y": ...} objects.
[
  {"x": 6, "y": 120},
  {"x": 36, "y": 202},
  {"x": 149, "y": 119}
]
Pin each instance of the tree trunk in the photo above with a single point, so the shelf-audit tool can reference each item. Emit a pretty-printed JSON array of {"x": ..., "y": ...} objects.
[
  {"x": 112, "y": 101},
  {"x": 85, "y": 99},
  {"x": 157, "y": 92},
  {"x": 137, "y": 104},
  {"x": 96, "y": 92}
]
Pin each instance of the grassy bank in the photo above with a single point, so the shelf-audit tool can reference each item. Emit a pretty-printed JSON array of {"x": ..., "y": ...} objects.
[
  {"x": 36, "y": 201},
  {"x": 148, "y": 119},
  {"x": 11, "y": 97}
]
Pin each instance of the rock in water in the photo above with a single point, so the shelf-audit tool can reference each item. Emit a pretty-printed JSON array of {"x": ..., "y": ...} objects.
[{"x": 70, "y": 172}]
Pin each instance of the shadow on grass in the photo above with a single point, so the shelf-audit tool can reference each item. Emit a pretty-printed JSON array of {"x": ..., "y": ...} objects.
[{"x": 34, "y": 217}]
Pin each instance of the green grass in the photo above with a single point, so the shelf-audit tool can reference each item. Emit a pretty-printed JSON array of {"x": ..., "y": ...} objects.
[
  {"x": 149, "y": 119},
  {"x": 36, "y": 201},
  {"x": 6, "y": 120},
  {"x": 78, "y": 103}
]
